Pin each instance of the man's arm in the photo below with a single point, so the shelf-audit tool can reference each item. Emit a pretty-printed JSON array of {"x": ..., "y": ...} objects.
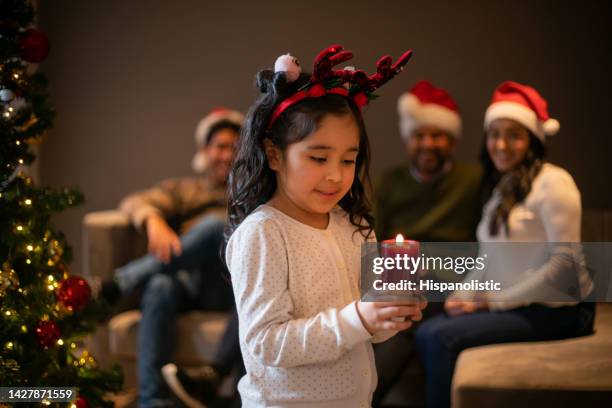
[{"x": 148, "y": 211}]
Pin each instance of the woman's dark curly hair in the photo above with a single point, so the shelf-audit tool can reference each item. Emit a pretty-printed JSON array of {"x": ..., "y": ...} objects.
[
  {"x": 514, "y": 185},
  {"x": 252, "y": 182}
]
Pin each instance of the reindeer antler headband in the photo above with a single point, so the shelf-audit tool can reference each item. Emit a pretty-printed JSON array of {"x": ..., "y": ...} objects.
[{"x": 350, "y": 83}]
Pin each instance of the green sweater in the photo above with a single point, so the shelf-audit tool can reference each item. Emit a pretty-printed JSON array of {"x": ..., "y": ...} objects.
[{"x": 444, "y": 210}]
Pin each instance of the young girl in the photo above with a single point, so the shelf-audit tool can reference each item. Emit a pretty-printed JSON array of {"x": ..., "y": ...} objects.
[
  {"x": 298, "y": 216},
  {"x": 532, "y": 202}
]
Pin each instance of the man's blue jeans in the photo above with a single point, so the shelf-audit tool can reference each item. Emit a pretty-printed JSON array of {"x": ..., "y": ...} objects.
[
  {"x": 440, "y": 339},
  {"x": 197, "y": 279}
]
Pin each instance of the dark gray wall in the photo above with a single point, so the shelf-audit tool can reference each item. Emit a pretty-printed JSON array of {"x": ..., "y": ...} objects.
[{"x": 130, "y": 79}]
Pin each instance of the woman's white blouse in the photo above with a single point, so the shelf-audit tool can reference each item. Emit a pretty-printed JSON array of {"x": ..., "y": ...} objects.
[{"x": 551, "y": 213}]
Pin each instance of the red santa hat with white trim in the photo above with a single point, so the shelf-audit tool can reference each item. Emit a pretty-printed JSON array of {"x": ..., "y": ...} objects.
[
  {"x": 425, "y": 104},
  {"x": 202, "y": 134},
  {"x": 523, "y": 104}
]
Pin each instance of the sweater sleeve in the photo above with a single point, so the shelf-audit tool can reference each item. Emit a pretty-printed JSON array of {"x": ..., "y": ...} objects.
[
  {"x": 557, "y": 202},
  {"x": 258, "y": 263},
  {"x": 160, "y": 200}
]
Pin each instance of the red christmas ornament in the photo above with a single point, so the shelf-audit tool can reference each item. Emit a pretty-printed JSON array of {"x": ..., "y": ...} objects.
[
  {"x": 82, "y": 402},
  {"x": 34, "y": 46},
  {"x": 74, "y": 293},
  {"x": 47, "y": 333}
]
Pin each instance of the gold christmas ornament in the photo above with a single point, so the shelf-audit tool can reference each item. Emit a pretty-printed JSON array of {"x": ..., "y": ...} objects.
[
  {"x": 55, "y": 251},
  {"x": 8, "y": 279}
]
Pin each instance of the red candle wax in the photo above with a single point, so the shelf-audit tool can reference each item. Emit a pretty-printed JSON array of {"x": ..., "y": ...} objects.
[{"x": 390, "y": 248}]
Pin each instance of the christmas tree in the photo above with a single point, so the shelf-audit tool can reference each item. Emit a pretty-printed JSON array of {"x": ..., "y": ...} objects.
[{"x": 44, "y": 311}]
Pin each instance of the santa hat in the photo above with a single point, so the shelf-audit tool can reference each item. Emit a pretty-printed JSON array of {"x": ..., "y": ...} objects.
[
  {"x": 202, "y": 133},
  {"x": 523, "y": 104},
  {"x": 427, "y": 105}
]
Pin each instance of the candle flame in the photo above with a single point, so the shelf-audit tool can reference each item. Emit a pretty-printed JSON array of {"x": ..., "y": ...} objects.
[{"x": 399, "y": 239}]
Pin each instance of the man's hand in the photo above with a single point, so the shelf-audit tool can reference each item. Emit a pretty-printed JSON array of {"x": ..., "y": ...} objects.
[
  {"x": 385, "y": 316},
  {"x": 163, "y": 241}
]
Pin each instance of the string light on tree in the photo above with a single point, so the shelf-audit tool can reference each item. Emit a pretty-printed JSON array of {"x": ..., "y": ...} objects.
[{"x": 44, "y": 312}]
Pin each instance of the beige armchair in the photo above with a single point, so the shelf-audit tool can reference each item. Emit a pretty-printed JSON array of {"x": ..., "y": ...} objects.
[{"x": 110, "y": 241}]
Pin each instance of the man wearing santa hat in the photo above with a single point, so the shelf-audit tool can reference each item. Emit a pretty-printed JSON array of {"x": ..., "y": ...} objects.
[
  {"x": 430, "y": 198},
  {"x": 184, "y": 220}
]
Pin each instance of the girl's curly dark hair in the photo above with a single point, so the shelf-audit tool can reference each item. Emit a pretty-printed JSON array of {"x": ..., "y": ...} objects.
[{"x": 252, "y": 182}]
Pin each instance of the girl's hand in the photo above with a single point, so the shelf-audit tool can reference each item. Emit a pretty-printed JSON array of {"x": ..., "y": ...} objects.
[
  {"x": 163, "y": 241},
  {"x": 386, "y": 316}
]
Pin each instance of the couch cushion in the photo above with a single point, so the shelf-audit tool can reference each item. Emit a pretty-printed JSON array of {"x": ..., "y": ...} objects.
[
  {"x": 539, "y": 373},
  {"x": 198, "y": 335},
  {"x": 109, "y": 241}
]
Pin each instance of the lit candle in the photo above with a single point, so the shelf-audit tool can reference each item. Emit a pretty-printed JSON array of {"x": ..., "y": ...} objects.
[{"x": 402, "y": 252}]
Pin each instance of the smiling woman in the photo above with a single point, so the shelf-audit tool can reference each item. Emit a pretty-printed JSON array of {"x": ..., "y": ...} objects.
[
  {"x": 513, "y": 152},
  {"x": 530, "y": 201},
  {"x": 507, "y": 143}
]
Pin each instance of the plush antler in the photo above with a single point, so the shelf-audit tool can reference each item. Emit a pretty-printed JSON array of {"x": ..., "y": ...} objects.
[
  {"x": 326, "y": 60},
  {"x": 384, "y": 72},
  {"x": 325, "y": 80},
  {"x": 336, "y": 54},
  {"x": 359, "y": 79}
]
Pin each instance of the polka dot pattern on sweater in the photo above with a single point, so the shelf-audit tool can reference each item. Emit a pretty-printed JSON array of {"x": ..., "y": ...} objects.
[{"x": 295, "y": 287}]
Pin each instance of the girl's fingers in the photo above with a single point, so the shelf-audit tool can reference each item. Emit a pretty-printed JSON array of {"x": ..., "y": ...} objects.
[
  {"x": 418, "y": 317},
  {"x": 414, "y": 312},
  {"x": 395, "y": 326},
  {"x": 423, "y": 303}
]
